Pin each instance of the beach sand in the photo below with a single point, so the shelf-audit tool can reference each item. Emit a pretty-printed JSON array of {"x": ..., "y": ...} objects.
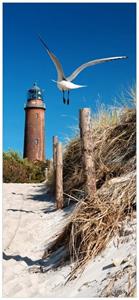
[{"x": 30, "y": 223}]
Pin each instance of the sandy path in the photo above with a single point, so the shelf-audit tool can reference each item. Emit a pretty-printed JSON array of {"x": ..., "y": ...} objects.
[{"x": 30, "y": 222}]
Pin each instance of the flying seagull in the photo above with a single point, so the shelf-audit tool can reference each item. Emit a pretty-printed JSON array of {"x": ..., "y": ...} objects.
[{"x": 65, "y": 83}]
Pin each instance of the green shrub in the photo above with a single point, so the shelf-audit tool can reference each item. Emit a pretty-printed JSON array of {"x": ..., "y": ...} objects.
[{"x": 19, "y": 170}]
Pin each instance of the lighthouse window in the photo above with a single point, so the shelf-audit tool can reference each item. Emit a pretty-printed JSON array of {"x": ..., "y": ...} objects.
[
  {"x": 36, "y": 141},
  {"x": 37, "y": 115}
]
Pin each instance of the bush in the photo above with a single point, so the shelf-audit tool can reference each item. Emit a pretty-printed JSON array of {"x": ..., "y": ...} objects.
[{"x": 19, "y": 170}]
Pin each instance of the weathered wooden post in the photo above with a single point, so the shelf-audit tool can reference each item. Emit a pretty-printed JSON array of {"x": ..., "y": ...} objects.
[
  {"x": 50, "y": 166},
  {"x": 55, "y": 141},
  {"x": 87, "y": 151},
  {"x": 59, "y": 176},
  {"x": 46, "y": 174}
]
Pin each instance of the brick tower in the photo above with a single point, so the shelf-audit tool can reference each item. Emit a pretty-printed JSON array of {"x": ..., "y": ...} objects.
[{"x": 34, "y": 138}]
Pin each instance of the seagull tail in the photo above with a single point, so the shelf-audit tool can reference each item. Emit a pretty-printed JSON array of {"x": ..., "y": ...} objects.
[{"x": 80, "y": 86}]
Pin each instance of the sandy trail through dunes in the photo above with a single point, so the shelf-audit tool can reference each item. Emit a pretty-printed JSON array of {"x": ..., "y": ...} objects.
[{"x": 30, "y": 222}]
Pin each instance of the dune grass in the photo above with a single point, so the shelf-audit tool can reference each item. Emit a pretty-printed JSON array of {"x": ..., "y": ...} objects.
[{"x": 98, "y": 217}]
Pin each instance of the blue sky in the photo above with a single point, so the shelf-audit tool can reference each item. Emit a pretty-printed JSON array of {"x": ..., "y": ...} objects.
[{"x": 76, "y": 33}]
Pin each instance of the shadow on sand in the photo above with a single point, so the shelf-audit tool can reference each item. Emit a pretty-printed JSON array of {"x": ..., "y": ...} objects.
[
  {"x": 39, "y": 265},
  {"x": 42, "y": 194},
  {"x": 26, "y": 259},
  {"x": 21, "y": 210}
]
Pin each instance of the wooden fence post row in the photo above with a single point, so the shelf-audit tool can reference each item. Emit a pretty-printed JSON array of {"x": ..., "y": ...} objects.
[
  {"x": 85, "y": 125},
  {"x": 87, "y": 150},
  {"x": 59, "y": 177}
]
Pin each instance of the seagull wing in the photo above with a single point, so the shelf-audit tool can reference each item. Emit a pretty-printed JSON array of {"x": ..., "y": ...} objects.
[
  {"x": 56, "y": 62},
  {"x": 92, "y": 63}
]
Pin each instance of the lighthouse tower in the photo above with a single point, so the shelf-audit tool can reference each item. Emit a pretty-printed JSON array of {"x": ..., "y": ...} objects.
[{"x": 34, "y": 136}]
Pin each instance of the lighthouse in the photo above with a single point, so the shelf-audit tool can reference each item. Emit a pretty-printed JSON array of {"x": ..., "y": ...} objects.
[{"x": 34, "y": 135}]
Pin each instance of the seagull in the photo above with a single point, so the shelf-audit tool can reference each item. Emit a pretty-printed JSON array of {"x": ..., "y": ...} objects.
[{"x": 65, "y": 83}]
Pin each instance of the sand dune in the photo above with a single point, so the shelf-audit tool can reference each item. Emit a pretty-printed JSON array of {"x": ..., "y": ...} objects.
[{"x": 30, "y": 222}]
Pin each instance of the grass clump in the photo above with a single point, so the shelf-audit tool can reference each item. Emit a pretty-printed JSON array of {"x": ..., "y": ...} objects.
[
  {"x": 98, "y": 217},
  {"x": 114, "y": 152}
]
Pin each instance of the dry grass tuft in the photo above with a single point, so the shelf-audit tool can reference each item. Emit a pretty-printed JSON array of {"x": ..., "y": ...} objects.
[
  {"x": 97, "y": 218},
  {"x": 114, "y": 151}
]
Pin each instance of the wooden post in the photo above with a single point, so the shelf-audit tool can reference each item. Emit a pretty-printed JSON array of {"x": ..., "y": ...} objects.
[
  {"x": 50, "y": 166},
  {"x": 87, "y": 151},
  {"x": 59, "y": 176},
  {"x": 46, "y": 174},
  {"x": 55, "y": 141}
]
